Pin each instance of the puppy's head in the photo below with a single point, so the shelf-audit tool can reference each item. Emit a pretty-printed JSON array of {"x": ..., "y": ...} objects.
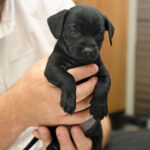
[{"x": 82, "y": 30}]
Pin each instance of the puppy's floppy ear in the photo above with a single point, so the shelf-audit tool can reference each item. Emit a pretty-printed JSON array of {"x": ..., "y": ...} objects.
[
  {"x": 56, "y": 23},
  {"x": 109, "y": 27}
]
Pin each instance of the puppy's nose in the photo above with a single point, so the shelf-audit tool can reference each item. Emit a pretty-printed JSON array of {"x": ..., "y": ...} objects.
[{"x": 87, "y": 51}]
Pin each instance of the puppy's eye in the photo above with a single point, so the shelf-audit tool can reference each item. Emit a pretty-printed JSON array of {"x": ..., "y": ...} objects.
[{"x": 74, "y": 30}]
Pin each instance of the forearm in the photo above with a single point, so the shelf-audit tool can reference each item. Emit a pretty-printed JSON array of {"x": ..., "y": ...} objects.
[{"x": 12, "y": 120}]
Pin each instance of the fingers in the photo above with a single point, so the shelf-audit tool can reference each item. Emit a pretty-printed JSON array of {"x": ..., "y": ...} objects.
[
  {"x": 43, "y": 134},
  {"x": 64, "y": 139},
  {"x": 84, "y": 104},
  {"x": 79, "y": 73},
  {"x": 85, "y": 89},
  {"x": 81, "y": 141},
  {"x": 83, "y": 72},
  {"x": 76, "y": 118}
]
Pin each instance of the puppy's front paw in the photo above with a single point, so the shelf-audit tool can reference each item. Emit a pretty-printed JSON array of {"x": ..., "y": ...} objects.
[
  {"x": 98, "y": 110},
  {"x": 68, "y": 102}
]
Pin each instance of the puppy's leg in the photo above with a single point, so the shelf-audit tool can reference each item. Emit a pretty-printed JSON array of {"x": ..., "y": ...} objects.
[
  {"x": 58, "y": 76},
  {"x": 99, "y": 101},
  {"x": 95, "y": 133},
  {"x": 68, "y": 97},
  {"x": 97, "y": 143}
]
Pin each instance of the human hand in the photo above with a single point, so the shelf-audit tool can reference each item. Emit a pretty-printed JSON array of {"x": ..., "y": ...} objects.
[
  {"x": 80, "y": 141},
  {"x": 39, "y": 100},
  {"x": 43, "y": 133}
]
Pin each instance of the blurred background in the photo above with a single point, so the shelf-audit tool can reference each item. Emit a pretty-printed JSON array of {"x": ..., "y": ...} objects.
[{"x": 128, "y": 61}]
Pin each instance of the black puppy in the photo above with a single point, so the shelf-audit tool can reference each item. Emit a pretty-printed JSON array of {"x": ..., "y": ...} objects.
[{"x": 80, "y": 33}]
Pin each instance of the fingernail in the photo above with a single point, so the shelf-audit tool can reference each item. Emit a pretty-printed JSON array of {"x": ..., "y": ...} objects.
[
  {"x": 42, "y": 133},
  {"x": 60, "y": 133}
]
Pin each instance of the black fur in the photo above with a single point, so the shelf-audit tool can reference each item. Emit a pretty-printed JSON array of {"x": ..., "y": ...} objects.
[{"x": 80, "y": 33}]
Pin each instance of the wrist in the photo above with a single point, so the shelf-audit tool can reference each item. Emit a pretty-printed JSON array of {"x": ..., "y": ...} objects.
[
  {"x": 15, "y": 101},
  {"x": 13, "y": 121},
  {"x": 24, "y": 99},
  {"x": 10, "y": 105}
]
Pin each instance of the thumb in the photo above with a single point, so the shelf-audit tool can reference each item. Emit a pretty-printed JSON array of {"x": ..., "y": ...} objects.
[{"x": 44, "y": 135}]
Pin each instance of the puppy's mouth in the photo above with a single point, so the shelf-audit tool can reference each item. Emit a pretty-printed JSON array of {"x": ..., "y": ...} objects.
[{"x": 91, "y": 57}]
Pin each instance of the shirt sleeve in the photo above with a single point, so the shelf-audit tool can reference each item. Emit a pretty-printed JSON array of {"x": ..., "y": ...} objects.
[
  {"x": 58, "y": 5},
  {"x": 66, "y": 4}
]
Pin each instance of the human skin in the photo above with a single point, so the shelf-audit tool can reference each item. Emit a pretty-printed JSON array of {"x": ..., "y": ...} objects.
[
  {"x": 80, "y": 140},
  {"x": 32, "y": 101},
  {"x": 13, "y": 122}
]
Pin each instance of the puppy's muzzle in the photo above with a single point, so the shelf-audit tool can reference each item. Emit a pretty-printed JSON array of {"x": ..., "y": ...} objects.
[{"x": 90, "y": 53}]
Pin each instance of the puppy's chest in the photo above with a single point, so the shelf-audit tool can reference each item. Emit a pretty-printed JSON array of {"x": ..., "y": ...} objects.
[
  {"x": 68, "y": 64},
  {"x": 73, "y": 65}
]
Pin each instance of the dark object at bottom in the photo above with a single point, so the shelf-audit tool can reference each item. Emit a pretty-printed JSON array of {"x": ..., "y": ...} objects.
[
  {"x": 91, "y": 128},
  {"x": 133, "y": 140},
  {"x": 94, "y": 132}
]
